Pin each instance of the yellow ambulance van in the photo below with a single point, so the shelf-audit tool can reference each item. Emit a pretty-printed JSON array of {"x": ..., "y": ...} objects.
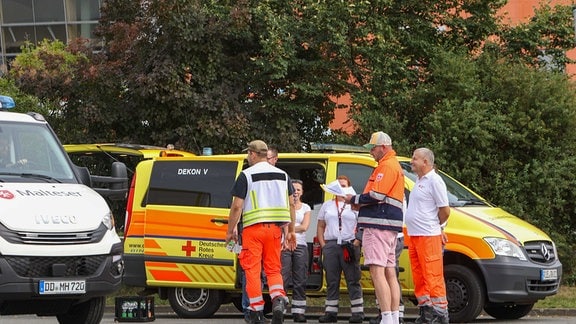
[{"x": 177, "y": 218}]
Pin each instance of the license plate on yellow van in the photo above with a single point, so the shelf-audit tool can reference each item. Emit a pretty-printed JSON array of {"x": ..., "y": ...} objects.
[
  {"x": 61, "y": 287},
  {"x": 548, "y": 274}
]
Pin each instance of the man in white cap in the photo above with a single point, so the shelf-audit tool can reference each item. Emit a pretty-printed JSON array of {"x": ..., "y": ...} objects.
[
  {"x": 380, "y": 216},
  {"x": 261, "y": 197}
]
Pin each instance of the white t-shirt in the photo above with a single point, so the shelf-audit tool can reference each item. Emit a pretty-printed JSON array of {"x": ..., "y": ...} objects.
[
  {"x": 428, "y": 194},
  {"x": 301, "y": 237},
  {"x": 329, "y": 214}
]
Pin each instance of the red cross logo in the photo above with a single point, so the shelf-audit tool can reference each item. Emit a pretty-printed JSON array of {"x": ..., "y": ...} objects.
[
  {"x": 189, "y": 248},
  {"x": 6, "y": 194}
]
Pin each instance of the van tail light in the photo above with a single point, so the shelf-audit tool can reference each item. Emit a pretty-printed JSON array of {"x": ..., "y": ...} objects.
[
  {"x": 129, "y": 205},
  {"x": 316, "y": 256}
]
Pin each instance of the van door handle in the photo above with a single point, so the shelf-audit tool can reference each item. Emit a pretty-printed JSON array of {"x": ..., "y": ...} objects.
[{"x": 219, "y": 220}]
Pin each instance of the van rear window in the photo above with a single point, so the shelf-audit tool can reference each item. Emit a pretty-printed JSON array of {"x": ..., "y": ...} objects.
[{"x": 192, "y": 183}]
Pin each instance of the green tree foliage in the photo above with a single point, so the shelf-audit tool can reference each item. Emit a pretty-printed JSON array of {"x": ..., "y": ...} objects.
[
  {"x": 24, "y": 102},
  {"x": 214, "y": 74},
  {"x": 48, "y": 72}
]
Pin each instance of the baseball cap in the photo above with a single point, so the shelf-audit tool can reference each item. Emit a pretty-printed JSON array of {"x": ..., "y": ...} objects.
[
  {"x": 257, "y": 146},
  {"x": 378, "y": 138}
]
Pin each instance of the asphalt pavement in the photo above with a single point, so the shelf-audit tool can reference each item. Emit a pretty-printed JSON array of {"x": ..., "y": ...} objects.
[
  {"x": 228, "y": 310},
  {"x": 230, "y": 315}
]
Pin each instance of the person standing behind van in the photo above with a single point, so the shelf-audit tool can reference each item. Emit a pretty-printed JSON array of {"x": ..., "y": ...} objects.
[
  {"x": 428, "y": 209},
  {"x": 295, "y": 263},
  {"x": 272, "y": 155},
  {"x": 336, "y": 232},
  {"x": 380, "y": 217},
  {"x": 261, "y": 195}
]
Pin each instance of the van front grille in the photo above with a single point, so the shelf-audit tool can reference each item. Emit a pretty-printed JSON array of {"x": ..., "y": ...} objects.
[
  {"x": 53, "y": 238},
  {"x": 70, "y": 266},
  {"x": 542, "y": 286},
  {"x": 542, "y": 252}
]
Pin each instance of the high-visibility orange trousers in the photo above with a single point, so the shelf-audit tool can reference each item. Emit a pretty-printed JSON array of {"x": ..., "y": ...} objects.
[
  {"x": 427, "y": 267},
  {"x": 261, "y": 244}
]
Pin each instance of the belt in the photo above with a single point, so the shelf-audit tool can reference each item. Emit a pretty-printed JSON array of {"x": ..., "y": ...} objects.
[
  {"x": 343, "y": 242},
  {"x": 268, "y": 225}
]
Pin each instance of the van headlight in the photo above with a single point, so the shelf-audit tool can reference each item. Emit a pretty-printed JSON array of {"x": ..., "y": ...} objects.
[
  {"x": 504, "y": 247},
  {"x": 108, "y": 220}
]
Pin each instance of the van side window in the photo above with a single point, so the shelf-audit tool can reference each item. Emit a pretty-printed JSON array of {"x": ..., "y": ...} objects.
[
  {"x": 312, "y": 173},
  {"x": 357, "y": 173},
  {"x": 192, "y": 183}
]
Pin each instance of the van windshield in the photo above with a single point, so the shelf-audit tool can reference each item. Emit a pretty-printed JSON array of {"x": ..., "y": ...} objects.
[
  {"x": 30, "y": 152},
  {"x": 458, "y": 195}
]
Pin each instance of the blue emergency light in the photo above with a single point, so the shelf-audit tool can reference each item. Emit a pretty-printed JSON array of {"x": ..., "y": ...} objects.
[{"x": 6, "y": 103}]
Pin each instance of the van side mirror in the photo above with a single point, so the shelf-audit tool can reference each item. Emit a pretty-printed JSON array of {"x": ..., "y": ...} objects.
[
  {"x": 84, "y": 175},
  {"x": 115, "y": 186},
  {"x": 119, "y": 171}
]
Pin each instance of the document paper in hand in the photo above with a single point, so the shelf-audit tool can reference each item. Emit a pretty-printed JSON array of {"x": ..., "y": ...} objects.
[{"x": 335, "y": 188}]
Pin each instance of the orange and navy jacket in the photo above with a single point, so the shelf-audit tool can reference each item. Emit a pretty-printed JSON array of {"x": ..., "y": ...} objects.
[{"x": 382, "y": 200}]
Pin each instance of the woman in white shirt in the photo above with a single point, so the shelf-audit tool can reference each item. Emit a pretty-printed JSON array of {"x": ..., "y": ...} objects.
[
  {"x": 295, "y": 263},
  {"x": 341, "y": 253}
]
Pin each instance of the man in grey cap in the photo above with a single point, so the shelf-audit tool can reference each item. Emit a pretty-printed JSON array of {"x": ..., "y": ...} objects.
[
  {"x": 380, "y": 217},
  {"x": 261, "y": 196}
]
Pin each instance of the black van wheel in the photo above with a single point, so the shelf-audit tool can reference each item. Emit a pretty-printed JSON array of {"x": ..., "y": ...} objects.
[
  {"x": 465, "y": 293},
  {"x": 194, "y": 302},
  {"x": 88, "y": 312},
  {"x": 507, "y": 312},
  {"x": 237, "y": 301}
]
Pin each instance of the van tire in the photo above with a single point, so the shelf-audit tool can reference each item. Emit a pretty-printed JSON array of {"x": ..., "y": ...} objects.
[
  {"x": 194, "y": 302},
  {"x": 88, "y": 312},
  {"x": 507, "y": 312},
  {"x": 465, "y": 293},
  {"x": 237, "y": 302}
]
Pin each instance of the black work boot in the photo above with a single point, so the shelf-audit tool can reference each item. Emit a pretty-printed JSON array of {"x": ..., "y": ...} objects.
[
  {"x": 328, "y": 317},
  {"x": 278, "y": 309},
  {"x": 256, "y": 317},
  {"x": 440, "y": 317},
  {"x": 376, "y": 320},
  {"x": 299, "y": 318},
  {"x": 356, "y": 318},
  {"x": 426, "y": 315}
]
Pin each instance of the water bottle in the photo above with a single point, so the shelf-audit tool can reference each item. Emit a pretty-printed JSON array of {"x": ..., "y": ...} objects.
[{"x": 234, "y": 247}]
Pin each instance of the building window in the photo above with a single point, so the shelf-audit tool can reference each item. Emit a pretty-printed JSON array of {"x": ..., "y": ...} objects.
[
  {"x": 49, "y": 11},
  {"x": 86, "y": 31},
  {"x": 83, "y": 10},
  {"x": 16, "y": 36},
  {"x": 51, "y": 32},
  {"x": 17, "y": 11}
]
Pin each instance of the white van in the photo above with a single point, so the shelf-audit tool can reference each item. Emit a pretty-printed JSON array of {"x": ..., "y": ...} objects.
[{"x": 59, "y": 252}]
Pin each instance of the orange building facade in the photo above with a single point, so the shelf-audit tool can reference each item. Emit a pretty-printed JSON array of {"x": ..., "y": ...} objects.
[{"x": 514, "y": 12}]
